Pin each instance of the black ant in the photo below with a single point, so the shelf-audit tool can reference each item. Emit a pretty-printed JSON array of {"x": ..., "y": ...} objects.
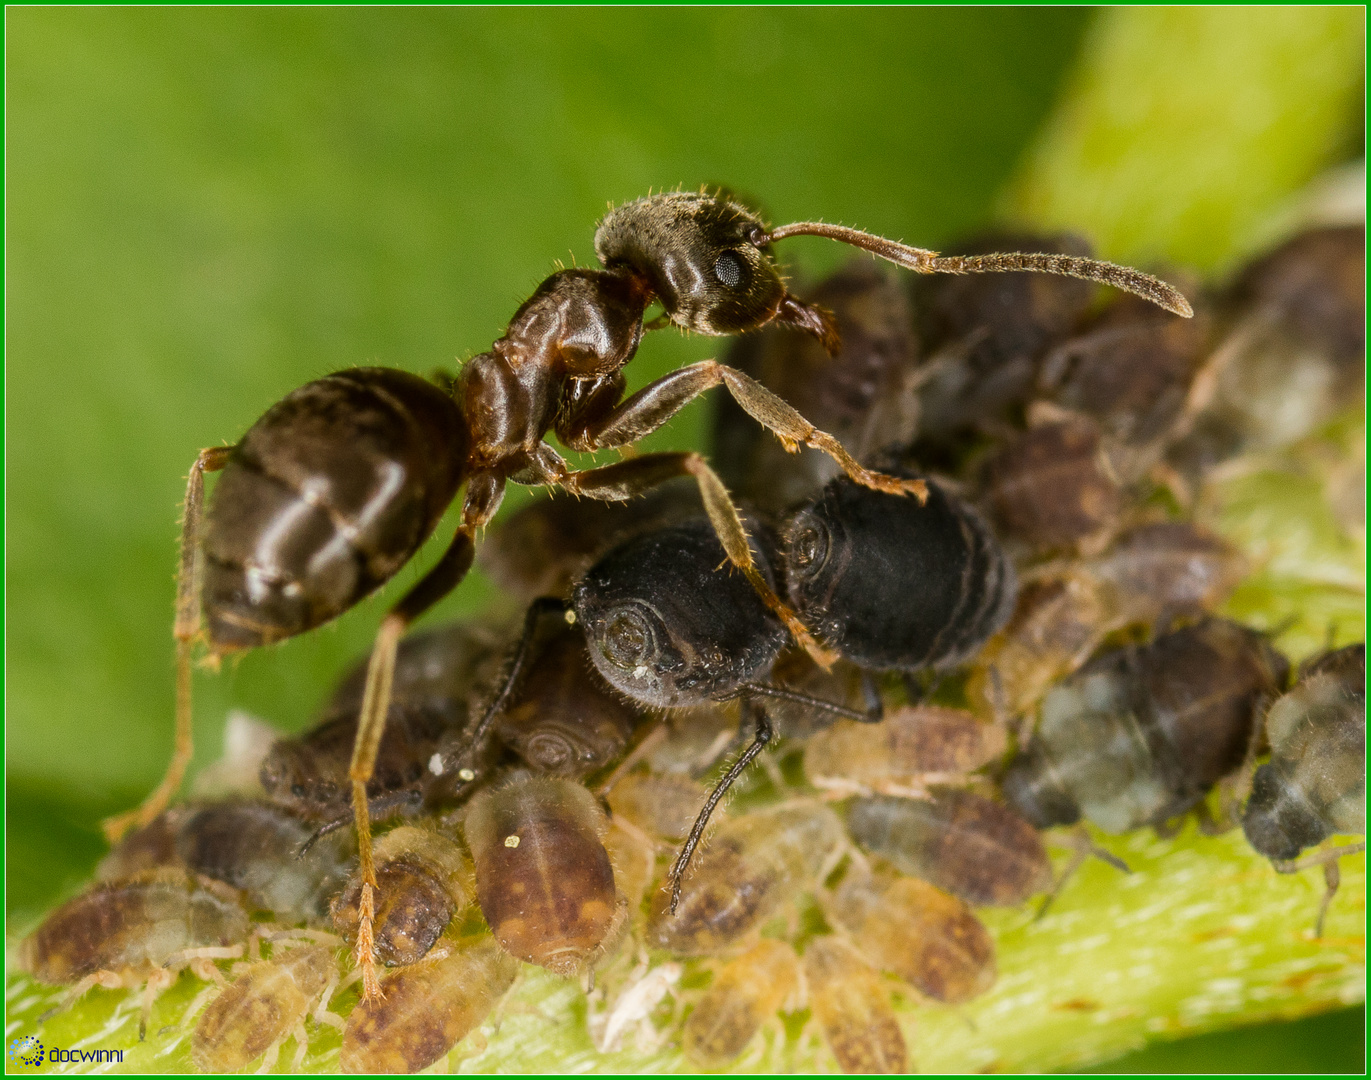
[{"x": 339, "y": 484}]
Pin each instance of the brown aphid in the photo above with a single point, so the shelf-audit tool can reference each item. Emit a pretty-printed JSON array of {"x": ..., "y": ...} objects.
[
  {"x": 929, "y": 938},
  {"x": 853, "y": 1009},
  {"x": 1052, "y": 486},
  {"x": 661, "y": 804},
  {"x": 744, "y": 993},
  {"x": 1131, "y": 373},
  {"x": 912, "y": 747},
  {"x": 1151, "y": 574},
  {"x": 1166, "y": 570},
  {"x": 542, "y": 548},
  {"x": 862, "y": 395},
  {"x": 261, "y": 849},
  {"x": 426, "y": 1008},
  {"x": 137, "y": 932},
  {"x": 753, "y": 863},
  {"x": 978, "y": 850},
  {"x": 1058, "y": 622},
  {"x": 984, "y": 339},
  {"x": 1293, "y": 350},
  {"x": 424, "y": 881},
  {"x": 264, "y": 1006},
  {"x": 543, "y": 877},
  {"x": 1140, "y": 734},
  {"x": 565, "y": 720}
]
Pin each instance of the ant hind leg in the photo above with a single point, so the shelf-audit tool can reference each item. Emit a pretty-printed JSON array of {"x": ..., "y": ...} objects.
[{"x": 186, "y": 630}]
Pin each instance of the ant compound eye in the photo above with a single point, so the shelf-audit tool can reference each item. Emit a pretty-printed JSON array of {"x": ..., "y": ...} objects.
[
  {"x": 809, "y": 549},
  {"x": 628, "y": 641},
  {"x": 730, "y": 269}
]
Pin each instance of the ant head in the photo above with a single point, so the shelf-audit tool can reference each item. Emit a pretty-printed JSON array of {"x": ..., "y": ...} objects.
[{"x": 709, "y": 262}]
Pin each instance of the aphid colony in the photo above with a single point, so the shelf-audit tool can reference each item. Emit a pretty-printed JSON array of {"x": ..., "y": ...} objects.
[{"x": 928, "y": 682}]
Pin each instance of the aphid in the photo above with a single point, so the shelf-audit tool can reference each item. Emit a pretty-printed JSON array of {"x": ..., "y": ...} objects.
[
  {"x": 976, "y": 849},
  {"x": 891, "y": 585},
  {"x": 1052, "y": 486},
  {"x": 909, "y": 749},
  {"x": 337, "y": 486},
  {"x": 424, "y": 881},
  {"x": 1293, "y": 350},
  {"x": 665, "y": 629},
  {"x": 853, "y": 1009},
  {"x": 543, "y": 876},
  {"x": 424, "y": 749},
  {"x": 1151, "y": 574},
  {"x": 984, "y": 340},
  {"x": 263, "y": 1007},
  {"x": 137, "y": 932},
  {"x": 1314, "y": 786},
  {"x": 927, "y": 937},
  {"x": 565, "y": 720},
  {"x": 862, "y": 395},
  {"x": 753, "y": 864},
  {"x": 1140, "y": 734},
  {"x": 660, "y": 804},
  {"x": 542, "y": 548},
  {"x": 1132, "y": 374},
  {"x": 744, "y": 993},
  {"x": 425, "y": 1009}
]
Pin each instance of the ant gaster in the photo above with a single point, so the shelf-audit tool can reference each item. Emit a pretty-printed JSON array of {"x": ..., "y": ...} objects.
[{"x": 338, "y": 485}]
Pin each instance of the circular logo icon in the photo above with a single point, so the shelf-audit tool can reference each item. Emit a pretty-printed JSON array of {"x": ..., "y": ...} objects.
[{"x": 27, "y": 1050}]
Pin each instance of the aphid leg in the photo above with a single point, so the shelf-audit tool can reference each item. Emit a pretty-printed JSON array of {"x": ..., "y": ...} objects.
[
  {"x": 371, "y": 722},
  {"x": 1082, "y": 848},
  {"x": 269, "y": 1058},
  {"x": 186, "y": 630},
  {"x": 322, "y": 1014},
  {"x": 301, "y": 1048},
  {"x": 625, "y": 479},
  {"x": 1332, "y": 876},
  {"x": 158, "y": 981},
  {"x": 761, "y": 737}
]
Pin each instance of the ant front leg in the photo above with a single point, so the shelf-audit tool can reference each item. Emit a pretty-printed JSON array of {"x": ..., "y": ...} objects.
[
  {"x": 484, "y": 493},
  {"x": 186, "y": 630},
  {"x": 622, "y": 481},
  {"x": 656, "y": 403}
]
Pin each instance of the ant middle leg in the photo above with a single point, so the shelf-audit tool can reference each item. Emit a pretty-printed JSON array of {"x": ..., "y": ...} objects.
[
  {"x": 186, "y": 631},
  {"x": 637, "y": 475},
  {"x": 653, "y": 405}
]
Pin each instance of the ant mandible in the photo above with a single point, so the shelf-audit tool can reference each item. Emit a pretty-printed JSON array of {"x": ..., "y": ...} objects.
[{"x": 337, "y": 486}]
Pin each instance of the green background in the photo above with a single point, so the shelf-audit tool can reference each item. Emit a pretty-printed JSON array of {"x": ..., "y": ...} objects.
[{"x": 207, "y": 208}]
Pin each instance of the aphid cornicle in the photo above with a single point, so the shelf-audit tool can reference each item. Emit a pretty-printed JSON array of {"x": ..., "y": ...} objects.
[
  {"x": 1314, "y": 786},
  {"x": 337, "y": 486}
]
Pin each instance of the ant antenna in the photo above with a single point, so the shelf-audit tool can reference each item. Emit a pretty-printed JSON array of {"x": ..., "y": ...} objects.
[{"x": 922, "y": 261}]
